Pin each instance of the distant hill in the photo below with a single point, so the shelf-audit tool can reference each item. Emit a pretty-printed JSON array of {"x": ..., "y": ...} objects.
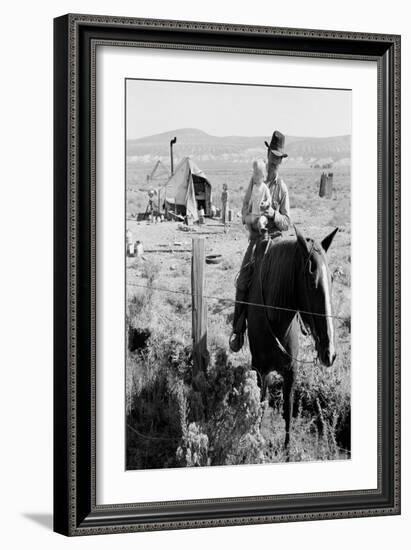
[{"x": 205, "y": 147}]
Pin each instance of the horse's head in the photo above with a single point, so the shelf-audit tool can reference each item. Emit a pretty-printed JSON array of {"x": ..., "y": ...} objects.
[{"x": 315, "y": 294}]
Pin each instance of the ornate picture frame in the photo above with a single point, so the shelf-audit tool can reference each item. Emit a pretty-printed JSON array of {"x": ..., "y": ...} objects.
[{"x": 76, "y": 39}]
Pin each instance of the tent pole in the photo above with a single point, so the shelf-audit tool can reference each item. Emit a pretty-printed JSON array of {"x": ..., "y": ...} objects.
[{"x": 172, "y": 142}]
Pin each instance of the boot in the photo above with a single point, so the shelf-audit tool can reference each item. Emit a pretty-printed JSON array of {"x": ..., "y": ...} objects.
[{"x": 236, "y": 341}]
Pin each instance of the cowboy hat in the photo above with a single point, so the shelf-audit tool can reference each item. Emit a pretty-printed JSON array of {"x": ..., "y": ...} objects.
[{"x": 276, "y": 146}]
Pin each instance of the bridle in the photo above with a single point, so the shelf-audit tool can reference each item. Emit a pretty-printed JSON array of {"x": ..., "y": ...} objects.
[{"x": 312, "y": 248}]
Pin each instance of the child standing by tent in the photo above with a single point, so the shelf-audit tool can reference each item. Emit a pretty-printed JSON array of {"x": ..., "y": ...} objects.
[{"x": 224, "y": 204}]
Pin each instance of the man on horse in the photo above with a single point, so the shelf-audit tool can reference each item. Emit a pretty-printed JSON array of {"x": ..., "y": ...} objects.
[{"x": 278, "y": 220}]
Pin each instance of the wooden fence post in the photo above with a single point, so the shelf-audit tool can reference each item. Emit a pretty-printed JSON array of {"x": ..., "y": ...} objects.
[
  {"x": 326, "y": 185},
  {"x": 322, "y": 185},
  {"x": 199, "y": 306}
]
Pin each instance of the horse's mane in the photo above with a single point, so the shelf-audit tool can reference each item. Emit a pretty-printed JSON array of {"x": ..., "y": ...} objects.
[{"x": 278, "y": 275}]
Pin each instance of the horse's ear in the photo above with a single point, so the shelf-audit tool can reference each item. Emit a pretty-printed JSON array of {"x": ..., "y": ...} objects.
[
  {"x": 302, "y": 243},
  {"x": 326, "y": 243}
]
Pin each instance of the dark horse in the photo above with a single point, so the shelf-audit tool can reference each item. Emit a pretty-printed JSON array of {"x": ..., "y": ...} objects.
[{"x": 292, "y": 274}]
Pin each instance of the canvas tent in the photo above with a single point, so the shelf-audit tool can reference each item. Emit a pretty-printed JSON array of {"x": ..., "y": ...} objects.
[{"x": 188, "y": 190}]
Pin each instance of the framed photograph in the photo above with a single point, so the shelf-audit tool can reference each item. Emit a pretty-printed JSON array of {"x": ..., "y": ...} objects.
[{"x": 227, "y": 274}]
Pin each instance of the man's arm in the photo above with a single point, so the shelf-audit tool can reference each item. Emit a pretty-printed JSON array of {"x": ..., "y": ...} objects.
[
  {"x": 282, "y": 215},
  {"x": 280, "y": 212}
]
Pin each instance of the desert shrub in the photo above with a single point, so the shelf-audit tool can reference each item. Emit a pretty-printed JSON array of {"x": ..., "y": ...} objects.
[
  {"x": 150, "y": 271},
  {"x": 140, "y": 304},
  {"x": 216, "y": 336},
  {"x": 137, "y": 303},
  {"x": 341, "y": 275},
  {"x": 136, "y": 264},
  {"x": 139, "y": 311},
  {"x": 153, "y": 427},
  {"x": 180, "y": 303},
  {"x": 233, "y": 400},
  {"x": 156, "y": 403},
  {"x": 323, "y": 397},
  {"x": 137, "y": 338},
  {"x": 346, "y": 322},
  {"x": 194, "y": 448},
  {"x": 175, "y": 420}
]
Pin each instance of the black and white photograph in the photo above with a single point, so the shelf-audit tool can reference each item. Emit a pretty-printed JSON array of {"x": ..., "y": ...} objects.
[{"x": 238, "y": 274}]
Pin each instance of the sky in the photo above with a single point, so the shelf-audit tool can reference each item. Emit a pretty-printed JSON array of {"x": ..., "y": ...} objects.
[{"x": 153, "y": 107}]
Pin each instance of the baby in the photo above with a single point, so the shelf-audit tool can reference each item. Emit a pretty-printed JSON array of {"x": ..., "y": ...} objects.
[{"x": 257, "y": 199}]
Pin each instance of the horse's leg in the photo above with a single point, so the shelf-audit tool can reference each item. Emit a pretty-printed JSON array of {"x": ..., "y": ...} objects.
[
  {"x": 261, "y": 383},
  {"x": 288, "y": 392}
]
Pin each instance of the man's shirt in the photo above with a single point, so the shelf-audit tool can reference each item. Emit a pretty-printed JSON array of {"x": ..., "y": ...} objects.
[{"x": 279, "y": 193}]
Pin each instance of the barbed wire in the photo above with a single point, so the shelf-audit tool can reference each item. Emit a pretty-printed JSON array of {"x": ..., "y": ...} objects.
[
  {"x": 234, "y": 301},
  {"x": 152, "y": 438}
]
